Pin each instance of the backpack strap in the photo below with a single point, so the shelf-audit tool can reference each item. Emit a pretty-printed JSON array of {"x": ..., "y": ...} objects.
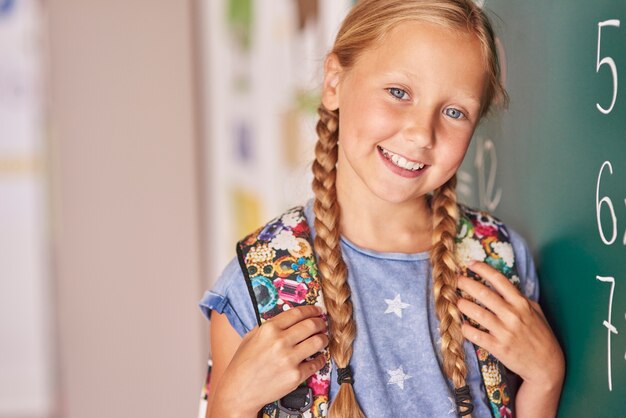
[
  {"x": 281, "y": 273},
  {"x": 482, "y": 237}
]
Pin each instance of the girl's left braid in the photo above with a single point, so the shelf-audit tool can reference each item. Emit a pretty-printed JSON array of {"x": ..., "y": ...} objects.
[{"x": 445, "y": 270}]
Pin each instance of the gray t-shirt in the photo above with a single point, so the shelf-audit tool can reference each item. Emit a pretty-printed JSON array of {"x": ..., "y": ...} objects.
[{"x": 396, "y": 361}]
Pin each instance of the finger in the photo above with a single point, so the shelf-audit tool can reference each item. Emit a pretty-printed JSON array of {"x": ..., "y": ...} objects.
[
  {"x": 292, "y": 316},
  {"x": 308, "y": 367},
  {"x": 487, "y": 297},
  {"x": 537, "y": 308},
  {"x": 496, "y": 279},
  {"x": 479, "y": 314},
  {"x": 480, "y": 338},
  {"x": 304, "y": 329},
  {"x": 310, "y": 346}
]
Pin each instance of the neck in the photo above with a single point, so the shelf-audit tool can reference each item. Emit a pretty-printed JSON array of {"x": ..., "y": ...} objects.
[{"x": 376, "y": 224}]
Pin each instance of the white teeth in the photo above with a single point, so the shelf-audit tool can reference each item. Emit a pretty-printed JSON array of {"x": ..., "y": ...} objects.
[{"x": 401, "y": 161}]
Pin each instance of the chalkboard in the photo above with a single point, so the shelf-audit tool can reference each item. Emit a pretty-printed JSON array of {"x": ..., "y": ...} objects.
[{"x": 554, "y": 168}]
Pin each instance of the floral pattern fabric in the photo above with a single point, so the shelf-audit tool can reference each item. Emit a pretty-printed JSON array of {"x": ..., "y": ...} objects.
[
  {"x": 281, "y": 273},
  {"x": 482, "y": 237}
]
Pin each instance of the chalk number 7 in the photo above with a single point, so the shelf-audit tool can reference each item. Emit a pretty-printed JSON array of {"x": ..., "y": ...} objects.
[{"x": 608, "y": 61}]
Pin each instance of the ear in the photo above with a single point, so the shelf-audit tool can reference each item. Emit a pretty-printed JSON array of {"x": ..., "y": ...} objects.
[{"x": 330, "y": 89}]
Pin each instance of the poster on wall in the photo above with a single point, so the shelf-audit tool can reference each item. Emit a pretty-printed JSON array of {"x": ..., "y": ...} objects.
[
  {"x": 25, "y": 325},
  {"x": 263, "y": 69}
]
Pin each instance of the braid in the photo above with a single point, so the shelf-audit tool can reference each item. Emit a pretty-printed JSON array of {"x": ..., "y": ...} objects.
[
  {"x": 442, "y": 257},
  {"x": 332, "y": 268}
]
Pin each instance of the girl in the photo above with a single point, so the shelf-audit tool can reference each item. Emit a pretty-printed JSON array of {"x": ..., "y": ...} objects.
[{"x": 405, "y": 85}]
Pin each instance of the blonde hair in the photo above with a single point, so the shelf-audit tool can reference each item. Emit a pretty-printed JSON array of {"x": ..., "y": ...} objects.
[{"x": 366, "y": 24}]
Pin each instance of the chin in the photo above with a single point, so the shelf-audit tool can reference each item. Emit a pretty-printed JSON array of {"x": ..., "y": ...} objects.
[{"x": 396, "y": 196}]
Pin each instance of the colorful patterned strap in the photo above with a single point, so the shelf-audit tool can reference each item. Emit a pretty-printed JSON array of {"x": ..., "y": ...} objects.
[
  {"x": 281, "y": 273},
  {"x": 482, "y": 237}
]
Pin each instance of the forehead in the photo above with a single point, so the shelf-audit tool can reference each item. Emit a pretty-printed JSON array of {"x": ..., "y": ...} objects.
[
  {"x": 432, "y": 40},
  {"x": 430, "y": 52}
]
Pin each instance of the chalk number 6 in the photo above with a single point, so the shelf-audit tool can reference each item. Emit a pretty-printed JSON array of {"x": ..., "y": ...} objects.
[
  {"x": 609, "y": 204},
  {"x": 608, "y": 61}
]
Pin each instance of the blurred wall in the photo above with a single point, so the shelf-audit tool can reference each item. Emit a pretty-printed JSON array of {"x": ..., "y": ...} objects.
[
  {"x": 26, "y": 361},
  {"x": 265, "y": 67},
  {"x": 126, "y": 215}
]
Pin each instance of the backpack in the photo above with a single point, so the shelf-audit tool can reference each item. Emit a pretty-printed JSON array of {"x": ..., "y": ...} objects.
[{"x": 279, "y": 267}]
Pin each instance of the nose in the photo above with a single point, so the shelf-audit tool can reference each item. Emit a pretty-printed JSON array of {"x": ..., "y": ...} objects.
[{"x": 420, "y": 127}]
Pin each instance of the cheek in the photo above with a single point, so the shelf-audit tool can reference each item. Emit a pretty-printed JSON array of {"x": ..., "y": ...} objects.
[
  {"x": 369, "y": 120},
  {"x": 456, "y": 150},
  {"x": 451, "y": 144}
]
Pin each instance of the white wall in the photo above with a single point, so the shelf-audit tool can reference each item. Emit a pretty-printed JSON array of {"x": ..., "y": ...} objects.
[
  {"x": 126, "y": 208},
  {"x": 26, "y": 361}
]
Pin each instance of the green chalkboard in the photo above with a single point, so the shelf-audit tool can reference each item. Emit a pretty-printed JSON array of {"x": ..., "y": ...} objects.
[{"x": 554, "y": 168}]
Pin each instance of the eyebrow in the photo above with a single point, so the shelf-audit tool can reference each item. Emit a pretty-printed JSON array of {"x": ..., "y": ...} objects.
[
  {"x": 472, "y": 98},
  {"x": 395, "y": 73}
]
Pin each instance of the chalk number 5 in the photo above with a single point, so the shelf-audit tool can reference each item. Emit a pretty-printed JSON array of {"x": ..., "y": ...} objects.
[{"x": 607, "y": 61}]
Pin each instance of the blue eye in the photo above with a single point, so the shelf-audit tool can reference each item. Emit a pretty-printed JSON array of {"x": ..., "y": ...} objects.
[
  {"x": 454, "y": 113},
  {"x": 398, "y": 93}
]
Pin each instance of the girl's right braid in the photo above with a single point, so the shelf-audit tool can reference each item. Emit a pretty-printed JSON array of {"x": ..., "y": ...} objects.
[
  {"x": 445, "y": 270},
  {"x": 332, "y": 268}
]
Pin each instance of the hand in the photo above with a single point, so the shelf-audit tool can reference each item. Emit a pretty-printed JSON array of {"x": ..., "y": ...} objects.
[
  {"x": 271, "y": 361},
  {"x": 518, "y": 333}
]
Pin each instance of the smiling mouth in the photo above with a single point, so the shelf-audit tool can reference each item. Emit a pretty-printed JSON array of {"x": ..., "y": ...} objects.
[{"x": 400, "y": 161}]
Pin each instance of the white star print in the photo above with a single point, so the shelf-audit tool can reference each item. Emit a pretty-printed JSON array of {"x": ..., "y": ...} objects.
[
  {"x": 398, "y": 377},
  {"x": 438, "y": 337},
  {"x": 452, "y": 410},
  {"x": 395, "y": 305}
]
